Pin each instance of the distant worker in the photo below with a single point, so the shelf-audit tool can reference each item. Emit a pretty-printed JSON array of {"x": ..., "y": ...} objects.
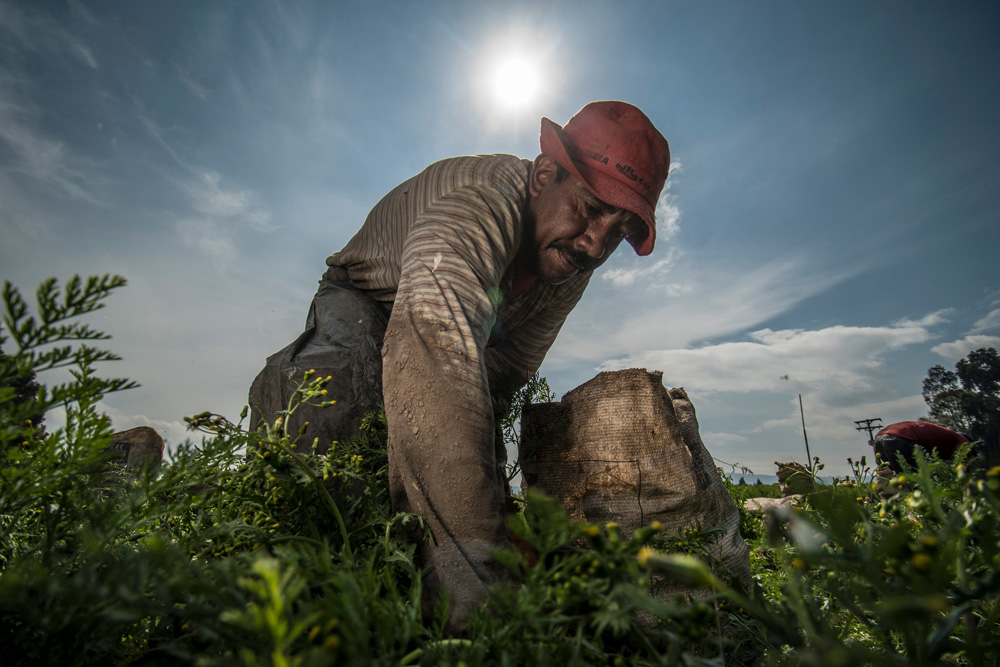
[{"x": 904, "y": 437}]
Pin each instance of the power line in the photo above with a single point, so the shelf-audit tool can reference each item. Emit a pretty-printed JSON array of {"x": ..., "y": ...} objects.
[{"x": 870, "y": 426}]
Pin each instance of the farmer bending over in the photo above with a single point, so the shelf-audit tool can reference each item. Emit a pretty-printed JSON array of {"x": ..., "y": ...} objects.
[
  {"x": 450, "y": 295},
  {"x": 904, "y": 437}
]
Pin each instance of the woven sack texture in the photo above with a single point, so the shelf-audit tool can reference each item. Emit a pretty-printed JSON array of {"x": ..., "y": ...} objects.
[{"x": 622, "y": 448}]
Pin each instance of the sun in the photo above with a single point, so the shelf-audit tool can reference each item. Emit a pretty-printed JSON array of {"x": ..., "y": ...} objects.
[{"x": 515, "y": 81}]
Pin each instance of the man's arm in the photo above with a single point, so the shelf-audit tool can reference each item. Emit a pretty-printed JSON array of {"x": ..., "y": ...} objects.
[{"x": 436, "y": 389}]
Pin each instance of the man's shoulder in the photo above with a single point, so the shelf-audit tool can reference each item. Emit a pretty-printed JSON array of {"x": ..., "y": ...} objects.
[{"x": 502, "y": 172}]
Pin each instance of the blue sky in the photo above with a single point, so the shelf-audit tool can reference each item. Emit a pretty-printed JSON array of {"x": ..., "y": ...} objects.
[{"x": 829, "y": 227}]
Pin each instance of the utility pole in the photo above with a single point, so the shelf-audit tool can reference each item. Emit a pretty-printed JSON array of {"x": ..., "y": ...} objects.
[
  {"x": 806, "y": 437},
  {"x": 870, "y": 426}
]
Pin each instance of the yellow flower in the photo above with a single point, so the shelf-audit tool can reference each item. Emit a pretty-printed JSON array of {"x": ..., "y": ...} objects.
[
  {"x": 929, "y": 541},
  {"x": 921, "y": 561},
  {"x": 644, "y": 554},
  {"x": 798, "y": 564},
  {"x": 593, "y": 531},
  {"x": 657, "y": 526},
  {"x": 994, "y": 472},
  {"x": 331, "y": 643}
]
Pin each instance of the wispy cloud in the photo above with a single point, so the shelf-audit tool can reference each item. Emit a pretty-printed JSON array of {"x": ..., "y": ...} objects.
[
  {"x": 838, "y": 362},
  {"x": 990, "y": 322},
  {"x": 840, "y": 371},
  {"x": 222, "y": 212},
  {"x": 211, "y": 237},
  {"x": 622, "y": 276},
  {"x": 188, "y": 80},
  {"x": 208, "y": 196},
  {"x": 978, "y": 336},
  {"x": 35, "y": 154},
  {"x": 226, "y": 213},
  {"x": 668, "y": 216},
  {"x": 713, "y": 301},
  {"x": 957, "y": 349},
  {"x": 668, "y": 212},
  {"x": 37, "y": 32}
]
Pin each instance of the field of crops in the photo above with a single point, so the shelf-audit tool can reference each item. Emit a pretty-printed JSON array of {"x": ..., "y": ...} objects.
[{"x": 284, "y": 557}]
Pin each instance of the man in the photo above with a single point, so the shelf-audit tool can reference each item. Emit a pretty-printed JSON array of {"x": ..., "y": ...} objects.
[
  {"x": 904, "y": 437},
  {"x": 462, "y": 276}
]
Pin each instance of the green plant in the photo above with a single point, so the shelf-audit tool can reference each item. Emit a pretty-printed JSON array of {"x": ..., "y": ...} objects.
[{"x": 249, "y": 548}]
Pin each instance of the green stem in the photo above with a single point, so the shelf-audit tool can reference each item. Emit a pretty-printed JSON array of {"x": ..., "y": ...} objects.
[
  {"x": 327, "y": 498},
  {"x": 299, "y": 538},
  {"x": 442, "y": 643}
]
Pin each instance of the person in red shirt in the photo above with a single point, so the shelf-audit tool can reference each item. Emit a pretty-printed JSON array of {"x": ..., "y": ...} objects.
[{"x": 904, "y": 437}]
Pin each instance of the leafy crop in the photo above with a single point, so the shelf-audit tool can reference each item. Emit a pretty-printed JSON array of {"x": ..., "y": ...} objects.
[{"x": 249, "y": 548}]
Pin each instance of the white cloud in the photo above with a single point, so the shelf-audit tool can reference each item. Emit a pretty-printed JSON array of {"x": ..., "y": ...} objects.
[
  {"x": 82, "y": 52},
  {"x": 37, "y": 32},
  {"x": 958, "y": 349},
  {"x": 840, "y": 371},
  {"x": 990, "y": 322},
  {"x": 723, "y": 437},
  {"x": 713, "y": 301},
  {"x": 668, "y": 213},
  {"x": 208, "y": 236},
  {"x": 640, "y": 268},
  {"x": 173, "y": 432},
  {"x": 224, "y": 211},
  {"x": 929, "y": 320},
  {"x": 189, "y": 81},
  {"x": 37, "y": 155},
  {"x": 208, "y": 197},
  {"x": 834, "y": 360}
]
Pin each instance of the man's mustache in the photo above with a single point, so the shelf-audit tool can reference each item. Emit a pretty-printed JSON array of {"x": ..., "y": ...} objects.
[{"x": 581, "y": 259}]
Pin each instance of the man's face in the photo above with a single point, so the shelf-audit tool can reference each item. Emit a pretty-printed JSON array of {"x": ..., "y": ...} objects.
[{"x": 569, "y": 230}]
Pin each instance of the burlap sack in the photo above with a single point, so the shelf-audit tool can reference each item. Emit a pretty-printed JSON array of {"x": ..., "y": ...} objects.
[{"x": 622, "y": 448}]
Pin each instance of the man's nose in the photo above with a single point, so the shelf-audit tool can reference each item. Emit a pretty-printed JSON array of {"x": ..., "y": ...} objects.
[{"x": 594, "y": 239}]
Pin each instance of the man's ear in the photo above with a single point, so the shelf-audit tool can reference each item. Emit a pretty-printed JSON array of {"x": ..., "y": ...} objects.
[{"x": 543, "y": 173}]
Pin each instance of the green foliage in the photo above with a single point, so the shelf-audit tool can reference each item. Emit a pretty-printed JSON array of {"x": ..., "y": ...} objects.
[
  {"x": 24, "y": 387},
  {"x": 507, "y": 409},
  {"x": 251, "y": 549},
  {"x": 905, "y": 576},
  {"x": 968, "y": 399}
]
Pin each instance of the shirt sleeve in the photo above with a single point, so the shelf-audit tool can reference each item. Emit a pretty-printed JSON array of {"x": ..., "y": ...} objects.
[{"x": 435, "y": 381}]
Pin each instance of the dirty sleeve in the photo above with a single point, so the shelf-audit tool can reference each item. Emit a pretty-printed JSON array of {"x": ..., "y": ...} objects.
[{"x": 442, "y": 464}]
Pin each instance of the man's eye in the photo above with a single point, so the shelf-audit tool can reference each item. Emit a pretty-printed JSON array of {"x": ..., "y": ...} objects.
[{"x": 593, "y": 210}]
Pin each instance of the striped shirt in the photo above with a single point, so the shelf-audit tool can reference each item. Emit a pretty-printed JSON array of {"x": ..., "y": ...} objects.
[{"x": 442, "y": 245}]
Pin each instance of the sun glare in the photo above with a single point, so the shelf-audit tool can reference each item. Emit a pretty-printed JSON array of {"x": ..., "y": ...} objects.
[{"x": 515, "y": 82}]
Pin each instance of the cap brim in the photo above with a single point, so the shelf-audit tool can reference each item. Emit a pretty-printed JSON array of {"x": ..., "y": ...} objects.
[{"x": 604, "y": 187}]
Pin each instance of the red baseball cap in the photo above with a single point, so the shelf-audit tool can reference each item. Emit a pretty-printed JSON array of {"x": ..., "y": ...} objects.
[{"x": 617, "y": 154}]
